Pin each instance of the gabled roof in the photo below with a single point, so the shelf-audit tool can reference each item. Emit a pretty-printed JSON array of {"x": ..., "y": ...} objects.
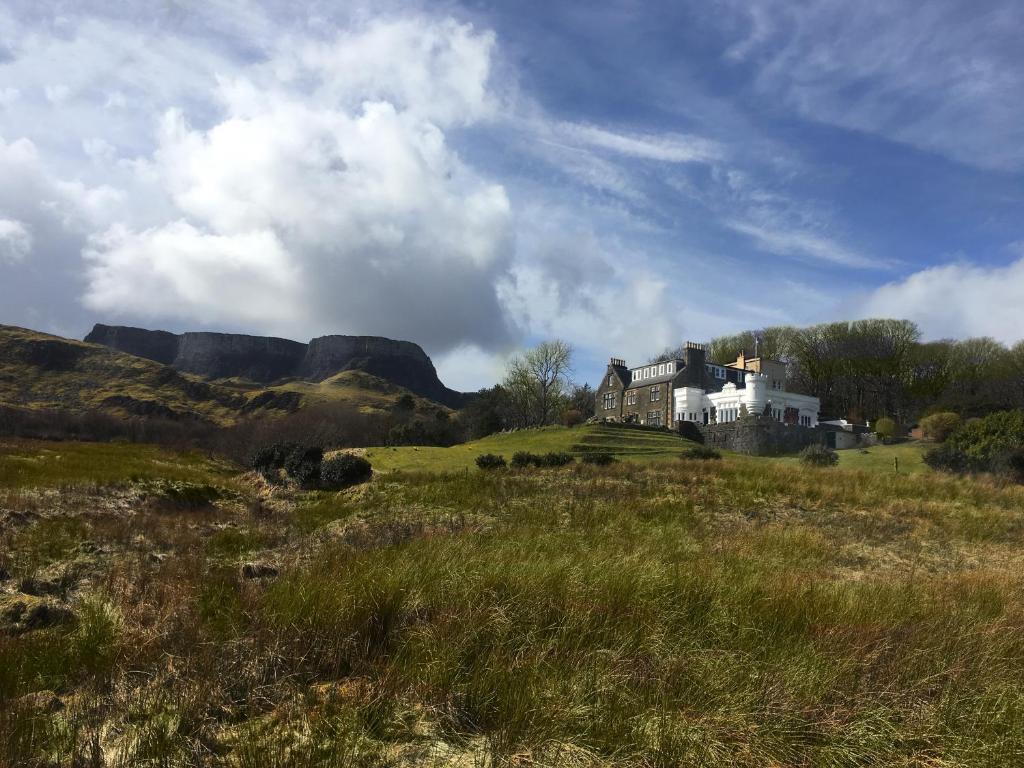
[{"x": 654, "y": 380}]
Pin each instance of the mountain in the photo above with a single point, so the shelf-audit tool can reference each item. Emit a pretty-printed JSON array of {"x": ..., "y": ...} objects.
[
  {"x": 267, "y": 359},
  {"x": 42, "y": 372}
]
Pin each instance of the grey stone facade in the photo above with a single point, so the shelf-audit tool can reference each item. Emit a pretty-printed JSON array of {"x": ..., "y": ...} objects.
[{"x": 761, "y": 436}]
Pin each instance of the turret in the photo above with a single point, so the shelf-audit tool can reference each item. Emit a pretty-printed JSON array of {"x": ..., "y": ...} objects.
[{"x": 755, "y": 396}]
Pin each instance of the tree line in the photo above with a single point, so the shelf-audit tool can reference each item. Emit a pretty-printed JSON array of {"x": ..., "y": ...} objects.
[{"x": 867, "y": 369}]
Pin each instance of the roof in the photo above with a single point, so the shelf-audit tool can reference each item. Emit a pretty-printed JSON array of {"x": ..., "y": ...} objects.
[{"x": 653, "y": 380}]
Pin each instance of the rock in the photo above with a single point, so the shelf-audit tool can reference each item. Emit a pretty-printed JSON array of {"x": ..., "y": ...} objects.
[
  {"x": 265, "y": 359},
  {"x": 258, "y": 571},
  {"x": 152, "y": 345}
]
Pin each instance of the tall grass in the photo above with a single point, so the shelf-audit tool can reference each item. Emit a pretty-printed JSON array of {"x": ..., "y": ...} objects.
[{"x": 692, "y": 613}]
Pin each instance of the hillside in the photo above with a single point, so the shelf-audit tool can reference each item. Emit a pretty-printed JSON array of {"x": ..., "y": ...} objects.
[
  {"x": 628, "y": 443},
  {"x": 266, "y": 360},
  {"x": 156, "y": 606},
  {"x": 40, "y": 371}
]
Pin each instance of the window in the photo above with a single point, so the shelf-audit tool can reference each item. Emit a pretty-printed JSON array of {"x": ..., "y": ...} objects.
[
  {"x": 654, "y": 418},
  {"x": 611, "y": 380},
  {"x": 693, "y": 417},
  {"x": 609, "y": 401},
  {"x": 661, "y": 369},
  {"x": 655, "y": 394},
  {"x": 631, "y": 397}
]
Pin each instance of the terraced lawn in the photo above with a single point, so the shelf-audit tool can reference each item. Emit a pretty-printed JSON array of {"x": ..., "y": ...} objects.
[{"x": 625, "y": 442}]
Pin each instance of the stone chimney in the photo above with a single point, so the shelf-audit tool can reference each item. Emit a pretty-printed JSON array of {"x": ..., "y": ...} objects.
[{"x": 694, "y": 355}]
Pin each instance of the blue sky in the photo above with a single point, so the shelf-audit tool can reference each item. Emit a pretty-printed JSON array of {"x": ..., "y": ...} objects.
[{"x": 478, "y": 176}]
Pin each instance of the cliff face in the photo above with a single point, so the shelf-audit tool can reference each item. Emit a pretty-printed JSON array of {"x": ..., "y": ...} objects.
[
  {"x": 152, "y": 345},
  {"x": 266, "y": 359},
  {"x": 225, "y": 355}
]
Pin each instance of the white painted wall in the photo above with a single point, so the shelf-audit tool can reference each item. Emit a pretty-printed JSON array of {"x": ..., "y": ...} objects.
[{"x": 691, "y": 402}]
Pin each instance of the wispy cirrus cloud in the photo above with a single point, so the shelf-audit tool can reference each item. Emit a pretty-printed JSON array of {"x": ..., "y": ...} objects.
[{"x": 805, "y": 245}]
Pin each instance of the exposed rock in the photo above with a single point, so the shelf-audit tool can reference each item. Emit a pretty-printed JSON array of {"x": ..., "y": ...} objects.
[
  {"x": 265, "y": 359},
  {"x": 258, "y": 571},
  {"x": 226, "y": 355},
  {"x": 161, "y": 346}
]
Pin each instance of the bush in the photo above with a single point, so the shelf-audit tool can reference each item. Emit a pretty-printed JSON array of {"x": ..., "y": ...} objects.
[
  {"x": 1010, "y": 464},
  {"x": 946, "y": 458},
  {"x": 557, "y": 459},
  {"x": 303, "y": 464},
  {"x": 522, "y": 459},
  {"x": 573, "y": 418},
  {"x": 490, "y": 461},
  {"x": 600, "y": 459},
  {"x": 885, "y": 428},
  {"x": 268, "y": 459},
  {"x": 939, "y": 426},
  {"x": 989, "y": 444},
  {"x": 344, "y": 470},
  {"x": 701, "y": 452},
  {"x": 819, "y": 456}
]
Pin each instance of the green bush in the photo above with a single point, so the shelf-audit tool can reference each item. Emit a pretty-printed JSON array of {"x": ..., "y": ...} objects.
[
  {"x": 490, "y": 461},
  {"x": 559, "y": 459},
  {"x": 344, "y": 470},
  {"x": 819, "y": 456},
  {"x": 303, "y": 464},
  {"x": 268, "y": 459},
  {"x": 991, "y": 444},
  {"x": 522, "y": 459},
  {"x": 701, "y": 452},
  {"x": 939, "y": 426},
  {"x": 885, "y": 428},
  {"x": 601, "y": 459}
]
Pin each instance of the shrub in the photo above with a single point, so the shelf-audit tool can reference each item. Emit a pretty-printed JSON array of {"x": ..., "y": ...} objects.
[
  {"x": 573, "y": 418},
  {"x": 490, "y": 461},
  {"x": 939, "y": 426},
  {"x": 344, "y": 470},
  {"x": 303, "y": 464},
  {"x": 187, "y": 496},
  {"x": 946, "y": 458},
  {"x": 268, "y": 459},
  {"x": 525, "y": 459},
  {"x": 988, "y": 444},
  {"x": 557, "y": 459},
  {"x": 1010, "y": 464},
  {"x": 701, "y": 452},
  {"x": 601, "y": 459},
  {"x": 819, "y": 456},
  {"x": 885, "y": 428}
]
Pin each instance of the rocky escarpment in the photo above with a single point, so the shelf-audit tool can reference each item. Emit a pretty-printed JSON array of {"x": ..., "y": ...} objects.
[
  {"x": 160, "y": 346},
  {"x": 226, "y": 355},
  {"x": 266, "y": 359}
]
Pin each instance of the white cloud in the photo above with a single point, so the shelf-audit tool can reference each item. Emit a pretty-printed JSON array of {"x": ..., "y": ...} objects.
[
  {"x": 8, "y": 96},
  {"x": 944, "y": 77},
  {"x": 15, "y": 240},
  {"x": 957, "y": 301},
  {"x": 378, "y": 225},
  {"x": 55, "y": 94},
  {"x": 668, "y": 148},
  {"x": 805, "y": 245}
]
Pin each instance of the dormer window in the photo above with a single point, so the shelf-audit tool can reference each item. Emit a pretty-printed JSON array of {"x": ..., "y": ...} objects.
[
  {"x": 661, "y": 369},
  {"x": 611, "y": 380}
]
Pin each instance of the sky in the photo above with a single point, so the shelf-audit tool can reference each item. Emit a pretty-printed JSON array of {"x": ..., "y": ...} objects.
[{"x": 478, "y": 176}]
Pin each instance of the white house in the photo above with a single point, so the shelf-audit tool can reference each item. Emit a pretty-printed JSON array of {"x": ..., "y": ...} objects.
[{"x": 755, "y": 397}]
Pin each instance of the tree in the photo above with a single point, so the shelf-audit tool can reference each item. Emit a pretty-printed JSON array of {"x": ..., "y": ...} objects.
[
  {"x": 885, "y": 427},
  {"x": 486, "y": 413},
  {"x": 939, "y": 426},
  {"x": 537, "y": 382},
  {"x": 583, "y": 399}
]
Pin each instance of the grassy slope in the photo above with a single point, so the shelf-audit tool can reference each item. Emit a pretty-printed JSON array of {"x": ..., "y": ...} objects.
[
  {"x": 626, "y": 443},
  {"x": 25, "y": 464},
  {"x": 878, "y": 458},
  {"x": 357, "y": 388},
  {"x": 734, "y": 612}
]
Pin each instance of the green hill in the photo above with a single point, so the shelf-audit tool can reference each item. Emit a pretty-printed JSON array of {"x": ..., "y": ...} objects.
[{"x": 629, "y": 443}]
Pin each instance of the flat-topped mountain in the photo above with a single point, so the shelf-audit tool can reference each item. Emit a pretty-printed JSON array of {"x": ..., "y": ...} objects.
[{"x": 266, "y": 359}]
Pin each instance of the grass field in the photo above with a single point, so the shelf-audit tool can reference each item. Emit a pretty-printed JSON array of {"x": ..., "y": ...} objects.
[
  {"x": 635, "y": 444},
  {"x": 657, "y": 612},
  {"x": 877, "y": 458}
]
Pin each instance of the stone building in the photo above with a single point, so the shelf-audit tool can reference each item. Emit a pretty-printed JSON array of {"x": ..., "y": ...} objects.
[{"x": 692, "y": 389}]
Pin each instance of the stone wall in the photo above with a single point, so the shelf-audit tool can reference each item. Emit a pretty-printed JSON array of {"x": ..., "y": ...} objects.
[{"x": 760, "y": 436}]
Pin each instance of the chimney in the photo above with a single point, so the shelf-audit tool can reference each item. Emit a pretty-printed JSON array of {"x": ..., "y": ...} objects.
[{"x": 694, "y": 356}]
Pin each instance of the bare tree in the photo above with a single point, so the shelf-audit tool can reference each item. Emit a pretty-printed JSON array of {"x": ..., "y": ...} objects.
[{"x": 537, "y": 383}]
